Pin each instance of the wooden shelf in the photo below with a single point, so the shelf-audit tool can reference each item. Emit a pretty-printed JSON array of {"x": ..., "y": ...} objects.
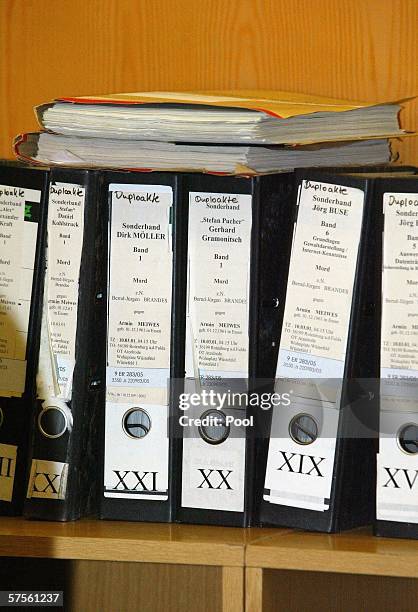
[
  {"x": 124, "y": 541},
  {"x": 225, "y": 569},
  {"x": 354, "y": 552}
]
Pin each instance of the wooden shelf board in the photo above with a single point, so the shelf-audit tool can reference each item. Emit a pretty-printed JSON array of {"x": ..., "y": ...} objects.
[
  {"x": 353, "y": 552},
  {"x": 124, "y": 541}
]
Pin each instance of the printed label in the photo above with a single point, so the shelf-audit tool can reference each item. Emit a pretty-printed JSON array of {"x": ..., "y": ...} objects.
[
  {"x": 139, "y": 339},
  {"x": 48, "y": 479},
  {"x": 136, "y": 468},
  {"x": 397, "y": 471},
  {"x": 8, "y": 455},
  {"x": 218, "y": 285},
  {"x": 139, "y": 307},
  {"x": 213, "y": 476},
  {"x": 314, "y": 340},
  {"x": 321, "y": 280},
  {"x": 65, "y": 243},
  {"x": 19, "y": 216},
  {"x": 300, "y": 475},
  {"x": 399, "y": 343}
]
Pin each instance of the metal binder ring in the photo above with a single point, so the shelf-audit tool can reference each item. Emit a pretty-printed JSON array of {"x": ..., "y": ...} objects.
[
  {"x": 136, "y": 423},
  {"x": 54, "y": 420},
  {"x": 407, "y": 438},
  {"x": 217, "y": 430},
  {"x": 1, "y": 417},
  {"x": 303, "y": 429}
]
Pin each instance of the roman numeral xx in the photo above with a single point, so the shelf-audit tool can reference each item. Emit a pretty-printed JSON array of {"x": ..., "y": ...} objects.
[{"x": 222, "y": 481}]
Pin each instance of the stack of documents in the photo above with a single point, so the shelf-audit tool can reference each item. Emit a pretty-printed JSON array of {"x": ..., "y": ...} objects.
[
  {"x": 238, "y": 132},
  {"x": 52, "y": 149}
]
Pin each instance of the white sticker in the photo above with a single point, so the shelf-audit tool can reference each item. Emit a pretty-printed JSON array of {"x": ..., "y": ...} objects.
[
  {"x": 321, "y": 279},
  {"x": 48, "y": 479},
  {"x": 8, "y": 454},
  {"x": 314, "y": 340},
  {"x": 300, "y": 475},
  {"x": 139, "y": 303},
  {"x": 213, "y": 475},
  {"x": 139, "y": 340},
  {"x": 65, "y": 243},
  {"x": 399, "y": 340},
  {"x": 219, "y": 249},
  {"x": 136, "y": 467},
  {"x": 19, "y": 214},
  {"x": 218, "y": 285},
  {"x": 397, "y": 470}
]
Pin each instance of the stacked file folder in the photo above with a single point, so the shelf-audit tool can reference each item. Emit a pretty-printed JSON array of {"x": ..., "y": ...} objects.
[
  {"x": 228, "y": 132},
  {"x": 208, "y": 348}
]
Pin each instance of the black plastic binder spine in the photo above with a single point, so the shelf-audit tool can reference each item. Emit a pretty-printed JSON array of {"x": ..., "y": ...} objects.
[
  {"x": 64, "y": 471},
  {"x": 23, "y": 205},
  {"x": 320, "y": 462},
  {"x": 397, "y": 459},
  {"x": 145, "y": 344},
  {"x": 229, "y": 310}
]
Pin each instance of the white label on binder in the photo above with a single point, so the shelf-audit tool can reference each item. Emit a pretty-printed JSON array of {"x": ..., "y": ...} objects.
[
  {"x": 397, "y": 471},
  {"x": 218, "y": 285},
  {"x": 65, "y": 243},
  {"x": 399, "y": 341},
  {"x": 213, "y": 475},
  {"x": 139, "y": 339},
  {"x": 47, "y": 479},
  {"x": 300, "y": 475},
  {"x": 314, "y": 339},
  {"x": 139, "y": 303},
  {"x": 8, "y": 455},
  {"x": 136, "y": 468},
  {"x": 19, "y": 213},
  {"x": 321, "y": 279}
]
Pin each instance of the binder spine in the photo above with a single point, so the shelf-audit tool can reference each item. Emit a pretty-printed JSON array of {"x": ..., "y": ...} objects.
[
  {"x": 90, "y": 374},
  {"x": 178, "y": 335},
  {"x": 139, "y": 466},
  {"x": 15, "y": 412},
  {"x": 272, "y": 243},
  {"x": 358, "y": 424},
  {"x": 351, "y": 456},
  {"x": 213, "y": 471},
  {"x": 397, "y": 458},
  {"x": 271, "y": 211},
  {"x": 63, "y": 475}
]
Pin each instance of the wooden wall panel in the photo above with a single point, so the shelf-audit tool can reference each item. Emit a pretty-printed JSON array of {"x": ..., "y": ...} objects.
[
  {"x": 293, "y": 591},
  {"x": 363, "y": 49},
  {"x": 105, "y": 586}
]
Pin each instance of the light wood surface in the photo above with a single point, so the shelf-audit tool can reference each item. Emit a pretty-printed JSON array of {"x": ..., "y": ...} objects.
[
  {"x": 359, "y": 49},
  {"x": 355, "y": 552},
  {"x": 233, "y": 579},
  {"x": 254, "y": 589},
  {"x": 120, "y": 541},
  {"x": 104, "y": 586},
  {"x": 114, "y": 565}
]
